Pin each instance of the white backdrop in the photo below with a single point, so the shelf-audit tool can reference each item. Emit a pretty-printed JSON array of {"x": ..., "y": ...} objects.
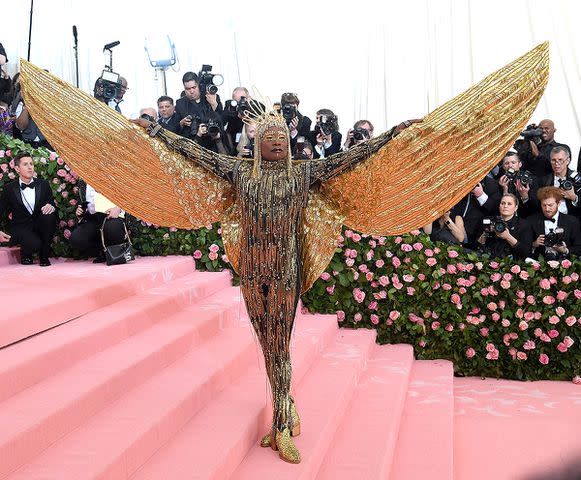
[{"x": 381, "y": 60}]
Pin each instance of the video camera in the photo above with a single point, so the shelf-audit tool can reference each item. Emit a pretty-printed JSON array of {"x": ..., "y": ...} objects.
[
  {"x": 107, "y": 86},
  {"x": 531, "y": 133},
  {"x": 208, "y": 81}
]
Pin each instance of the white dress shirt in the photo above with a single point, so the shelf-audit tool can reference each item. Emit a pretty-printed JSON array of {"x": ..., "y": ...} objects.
[{"x": 28, "y": 196}]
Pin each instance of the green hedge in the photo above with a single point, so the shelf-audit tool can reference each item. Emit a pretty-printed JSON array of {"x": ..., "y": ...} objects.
[{"x": 491, "y": 318}]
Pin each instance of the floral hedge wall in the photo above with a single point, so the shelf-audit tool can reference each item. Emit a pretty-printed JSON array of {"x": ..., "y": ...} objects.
[{"x": 491, "y": 318}]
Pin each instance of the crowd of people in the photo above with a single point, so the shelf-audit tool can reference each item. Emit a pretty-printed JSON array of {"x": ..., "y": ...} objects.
[{"x": 527, "y": 207}]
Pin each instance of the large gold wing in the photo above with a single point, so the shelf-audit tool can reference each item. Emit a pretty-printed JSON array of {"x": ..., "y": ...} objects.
[
  {"x": 116, "y": 157},
  {"x": 429, "y": 167}
]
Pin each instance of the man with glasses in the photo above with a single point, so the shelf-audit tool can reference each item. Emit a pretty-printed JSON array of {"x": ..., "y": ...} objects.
[
  {"x": 536, "y": 158},
  {"x": 567, "y": 180}
]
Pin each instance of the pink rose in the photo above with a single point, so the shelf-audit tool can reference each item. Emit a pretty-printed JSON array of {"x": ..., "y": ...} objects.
[
  {"x": 544, "y": 358},
  {"x": 521, "y": 355},
  {"x": 490, "y": 347},
  {"x": 529, "y": 345},
  {"x": 548, "y": 300},
  {"x": 431, "y": 261},
  {"x": 225, "y": 258},
  {"x": 491, "y": 306},
  {"x": 577, "y": 293},
  {"x": 429, "y": 252},
  {"x": 418, "y": 246},
  {"x": 561, "y": 295},
  {"x": 515, "y": 269},
  {"x": 522, "y": 325},
  {"x": 566, "y": 263},
  {"x": 369, "y": 255},
  {"x": 495, "y": 317},
  {"x": 505, "y": 284},
  {"x": 577, "y": 380},
  {"x": 567, "y": 280},
  {"x": 455, "y": 298},
  {"x": 492, "y": 355},
  {"x": 325, "y": 276},
  {"x": 470, "y": 352},
  {"x": 562, "y": 347},
  {"x": 484, "y": 292},
  {"x": 529, "y": 316},
  {"x": 560, "y": 311},
  {"x": 330, "y": 289},
  {"x": 396, "y": 262},
  {"x": 570, "y": 320},
  {"x": 357, "y": 317},
  {"x": 452, "y": 253},
  {"x": 411, "y": 291},
  {"x": 524, "y": 275},
  {"x": 214, "y": 248},
  {"x": 408, "y": 278},
  {"x": 531, "y": 300},
  {"x": 406, "y": 247},
  {"x": 451, "y": 269},
  {"x": 369, "y": 276},
  {"x": 356, "y": 237},
  {"x": 73, "y": 202},
  {"x": 355, "y": 274},
  {"x": 520, "y": 294},
  {"x": 505, "y": 323},
  {"x": 435, "y": 325},
  {"x": 213, "y": 256},
  {"x": 349, "y": 262},
  {"x": 379, "y": 263},
  {"x": 447, "y": 286},
  {"x": 372, "y": 305},
  {"x": 545, "y": 338},
  {"x": 494, "y": 264},
  {"x": 340, "y": 315},
  {"x": 67, "y": 234},
  {"x": 484, "y": 331},
  {"x": 384, "y": 280},
  {"x": 197, "y": 254},
  {"x": 358, "y": 295},
  {"x": 495, "y": 277},
  {"x": 545, "y": 284},
  {"x": 553, "y": 333},
  {"x": 374, "y": 319}
]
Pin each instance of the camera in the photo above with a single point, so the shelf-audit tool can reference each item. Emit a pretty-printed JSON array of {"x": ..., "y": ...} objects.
[
  {"x": 195, "y": 125},
  {"x": 325, "y": 125},
  {"x": 107, "y": 86},
  {"x": 289, "y": 112},
  {"x": 249, "y": 149},
  {"x": 554, "y": 237},
  {"x": 145, "y": 116},
  {"x": 494, "y": 225},
  {"x": 361, "y": 134},
  {"x": 531, "y": 133},
  {"x": 208, "y": 81},
  {"x": 213, "y": 127},
  {"x": 524, "y": 176}
]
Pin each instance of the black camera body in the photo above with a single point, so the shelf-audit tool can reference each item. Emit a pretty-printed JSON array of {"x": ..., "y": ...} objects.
[
  {"x": 525, "y": 177},
  {"x": 108, "y": 86},
  {"x": 554, "y": 237},
  {"x": 209, "y": 82},
  {"x": 361, "y": 134},
  {"x": 325, "y": 125},
  {"x": 289, "y": 112},
  {"x": 249, "y": 149},
  {"x": 212, "y": 126},
  {"x": 565, "y": 184},
  {"x": 531, "y": 133},
  {"x": 494, "y": 225}
]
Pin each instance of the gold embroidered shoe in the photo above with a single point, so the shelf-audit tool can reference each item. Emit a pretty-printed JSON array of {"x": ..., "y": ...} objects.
[{"x": 286, "y": 448}]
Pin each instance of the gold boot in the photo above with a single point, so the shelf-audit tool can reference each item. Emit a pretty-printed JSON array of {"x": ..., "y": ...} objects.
[
  {"x": 296, "y": 431},
  {"x": 286, "y": 448}
]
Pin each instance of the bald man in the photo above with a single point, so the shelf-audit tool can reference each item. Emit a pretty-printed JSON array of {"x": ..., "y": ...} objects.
[{"x": 537, "y": 158}]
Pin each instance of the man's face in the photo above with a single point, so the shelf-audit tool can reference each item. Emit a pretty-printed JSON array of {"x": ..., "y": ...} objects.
[
  {"x": 166, "y": 109},
  {"x": 367, "y": 127},
  {"x": 559, "y": 163},
  {"x": 25, "y": 169},
  {"x": 239, "y": 93},
  {"x": 549, "y": 207},
  {"x": 549, "y": 130},
  {"x": 192, "y": 90},
  {"x": 122, "y": 89},
  {"x": 274, "y": 145},
  {"x": 511, "y": 162}
]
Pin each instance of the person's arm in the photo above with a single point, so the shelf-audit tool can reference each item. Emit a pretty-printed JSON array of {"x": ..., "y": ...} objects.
[
  {"x": 456, "y": 228},
  {"x": 219, "y": 164},
  {"x": 326, "y": 168},
  {"x": 22, "y": 117}
]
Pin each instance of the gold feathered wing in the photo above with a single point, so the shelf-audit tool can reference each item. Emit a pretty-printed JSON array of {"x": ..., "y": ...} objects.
[
  {"x": 116, "y": 157},
  {"x": 430, "y": 166}
]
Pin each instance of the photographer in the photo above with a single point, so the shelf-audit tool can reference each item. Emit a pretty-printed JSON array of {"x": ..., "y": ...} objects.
[
  {"x": 362, "y": 130},
  {"x": 520, "y": 183},
  {"x": 298, "y": 124},
  {"x": 119, "y": 93},
  {"x": 303, "y": 150},
  {"x": 556, "y": 235},
  {"x": 98, "y": 212},
  {"x": 444, "y": 229},
  {"x": 29, "y": 132},
  {"x": 325, "y": 136},
  {"x": 245, "y": 147},
  {"x": 167, "y": 116},
  {"x": 534, "y": 150},
  {"x": 195, "y": 106},
  {"x": 234, "y": 112},
  {"x": 211, "y": 135},
  {"x": 506, "y": 235},
  {"x": 566, "y": 179}
]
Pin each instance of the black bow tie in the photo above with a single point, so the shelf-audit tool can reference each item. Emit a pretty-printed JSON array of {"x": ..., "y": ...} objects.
[
  {"x": 552, "y": 220},
  {"x": 30, "y": 185}
]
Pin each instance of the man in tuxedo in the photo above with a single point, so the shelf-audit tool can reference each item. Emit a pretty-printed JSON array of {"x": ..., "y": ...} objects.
[
  {"x": 30, "y": 202},
  {"x": 567, "y": 180},
  {"x": 168, "y": 117},
  {"x": 552, "y": 222}
]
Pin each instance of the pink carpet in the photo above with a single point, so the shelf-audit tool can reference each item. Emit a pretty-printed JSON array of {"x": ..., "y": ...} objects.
[{"x": 152, "y": 372}]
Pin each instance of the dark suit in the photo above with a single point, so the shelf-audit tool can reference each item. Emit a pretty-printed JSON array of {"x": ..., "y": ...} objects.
[
  {"x": 33, "y": 232},
  {"x": 172, "y": 123},
  {"x": 570, "y": 225}
]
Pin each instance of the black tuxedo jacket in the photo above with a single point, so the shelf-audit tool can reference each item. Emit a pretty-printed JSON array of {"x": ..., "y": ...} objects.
[
  {"x": 11, "y": 202},
  {"x": 570, "y": 225},
  {"x": 549, "y": 181}
]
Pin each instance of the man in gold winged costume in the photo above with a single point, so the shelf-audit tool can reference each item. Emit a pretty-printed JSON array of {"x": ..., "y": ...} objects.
[{"x": 278, "y": 231}]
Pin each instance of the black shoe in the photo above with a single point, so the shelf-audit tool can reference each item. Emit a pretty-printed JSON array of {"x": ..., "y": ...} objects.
[
  {"x": 45, "y": 262},
  {"x": 99, "y": 258},
  {"x": 26, "y": 260}
]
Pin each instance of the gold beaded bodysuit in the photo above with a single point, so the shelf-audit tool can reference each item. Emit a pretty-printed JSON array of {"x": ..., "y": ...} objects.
[{"x": 279, "y": 232}]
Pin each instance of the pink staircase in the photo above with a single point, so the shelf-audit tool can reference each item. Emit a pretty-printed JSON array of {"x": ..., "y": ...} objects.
[{"x": 151, "y": 371}]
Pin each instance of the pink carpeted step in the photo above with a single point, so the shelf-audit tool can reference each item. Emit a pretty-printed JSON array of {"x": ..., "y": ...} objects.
[
  {"x": 25, "y": 363},
  {"x": 233, "y": 422},
  {"x": 425, "y": 444},
  {"x": 364, "y": 445},
  {"x": 322, "y": 401},
  {"x": 68, "y": 289},
  {"x": 40, "y": 415},
  {"x": 510, "y": 430},
  {"x": 118, "y": 439},
  {"x": 9, "y": 256}
]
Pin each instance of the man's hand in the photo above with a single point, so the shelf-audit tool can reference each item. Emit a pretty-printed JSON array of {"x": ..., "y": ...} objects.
[
  {"x": 523, "y": 190},
  {"x": 534, "y": 149},
  {"x": 478, "y": 191},
  {"x": 202, "y": 130},
  {"x": 212, "y": 100},
  {"x": 539, "y": 242},
  {"x": 79, "y": 211},
  {"x": 569, "y": 195},
  {"x": 294, "y": 123},
  {"x": 4, "y": 237},
  {"x": 405, "y": 124},
  {"x": 113, "y": 212},
  {"x": 47, "y": 209},
  {"x": 186, "y": 121},
  {"x": 142, "y": 122},
  {"x": 322, "y": 139},
  {"x": 561, "y": 248},
  {"x": 503, "y": 182}
]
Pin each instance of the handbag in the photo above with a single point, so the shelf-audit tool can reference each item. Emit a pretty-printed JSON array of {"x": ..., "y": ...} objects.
[{"x": 118, "y": 254}]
